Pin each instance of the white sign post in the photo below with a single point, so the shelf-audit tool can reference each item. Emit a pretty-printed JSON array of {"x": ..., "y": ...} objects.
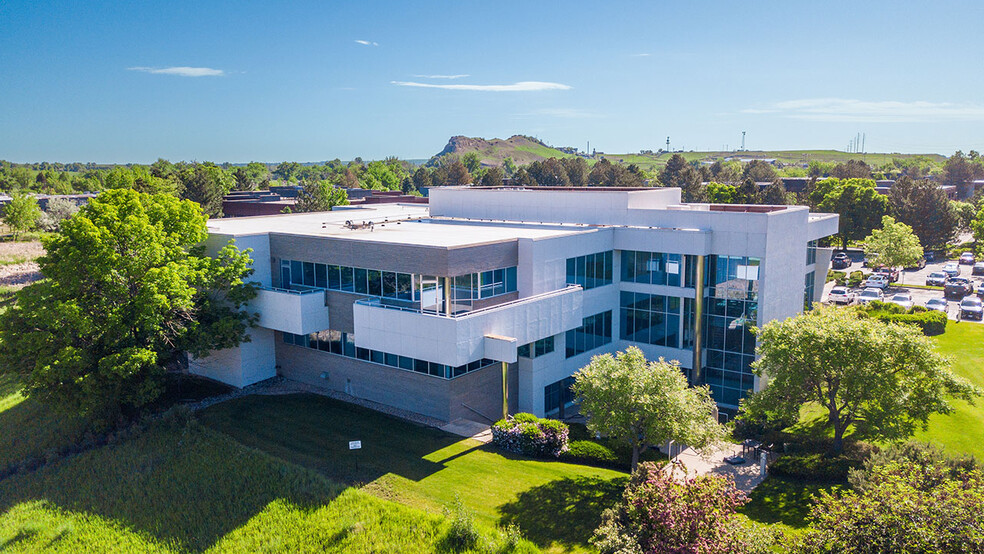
[{"x": 356, "y": 445}]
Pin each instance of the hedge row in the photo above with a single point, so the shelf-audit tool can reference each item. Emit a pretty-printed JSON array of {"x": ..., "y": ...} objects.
[
  {"x": 930, "y": 322},
  {"x": 814, "y": 466}
]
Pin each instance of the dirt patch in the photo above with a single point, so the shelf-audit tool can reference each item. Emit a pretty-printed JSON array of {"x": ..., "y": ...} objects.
[
  {"x": 19, "y": 275},
  {"x": 20, "y": 251}
]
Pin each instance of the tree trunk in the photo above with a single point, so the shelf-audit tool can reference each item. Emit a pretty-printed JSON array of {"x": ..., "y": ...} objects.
[
  {"x": 635, "y": 457},
  {"x": 838, "y": 446}
]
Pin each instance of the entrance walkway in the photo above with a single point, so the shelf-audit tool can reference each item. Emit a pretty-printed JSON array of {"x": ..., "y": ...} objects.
[
  {"x": 470, "y": 429},
  {"x": 745, "y": 476}
]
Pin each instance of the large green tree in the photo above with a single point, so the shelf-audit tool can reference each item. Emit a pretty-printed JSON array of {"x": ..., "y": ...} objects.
[
  {"x": 320, "y": 196},
  {"x": 894, "y": 245},
  {"x": 206, "y": 184},
  {"x": 857, "y": 202},
  {"x": 642, "y": 403},
  {"x": 128, "y": 292},
  {"x": 21, "y": 213},
  {"x": 925, "y": 207},
  {"x": 885, "y": 380},
  {"x": 251, "y": 176}
]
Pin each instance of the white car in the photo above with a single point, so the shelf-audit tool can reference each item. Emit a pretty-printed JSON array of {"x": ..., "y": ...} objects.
[
  {"x": 903, "y": 299},
  {"x": 868, "y": 295},
  {"x": 876, "y": 281},
  {"x": 841, "y": 295},
  {"x": 937, "y": 305}
]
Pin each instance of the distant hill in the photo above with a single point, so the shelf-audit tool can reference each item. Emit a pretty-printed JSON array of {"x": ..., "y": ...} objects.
[{"x": 522, "y": 149}]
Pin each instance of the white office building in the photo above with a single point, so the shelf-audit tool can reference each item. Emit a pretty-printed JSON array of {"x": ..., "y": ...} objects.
[{"x": 493, "y": 296}]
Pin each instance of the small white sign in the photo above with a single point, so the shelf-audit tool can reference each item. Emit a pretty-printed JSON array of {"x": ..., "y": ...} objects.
[{"x": 355, "y": 445}]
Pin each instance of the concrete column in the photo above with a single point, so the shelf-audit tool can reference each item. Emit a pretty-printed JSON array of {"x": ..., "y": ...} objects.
[
  {"x": 698, "y": 320},
  {"x": 447, "y": 296},
  {"x": 505, "y": 390}
]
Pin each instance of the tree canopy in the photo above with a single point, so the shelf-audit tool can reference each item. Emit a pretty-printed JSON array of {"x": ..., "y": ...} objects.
[
  {"x": 642, "y": 403},
  {"x": 320, "y": 196},
  {"x": 894, "y": 245},
  {"x": 127, "y": 292},
  {"x": 885, "y": 380},
  {"x": 21, "y": 213},
  {"x": 856, "y": 201},
  {"x": 925, "y": 207}
]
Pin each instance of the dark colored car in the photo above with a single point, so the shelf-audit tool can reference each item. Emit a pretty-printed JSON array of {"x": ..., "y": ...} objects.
[
  {"x": 840, "y": 260},
  {"x": 972, "y": 308},
  {"x": 978, "y": 269},
  {"x": 936, "y": 279},
  {"x": 929, "y": 256},
  {"x": 958, "y": 287}
]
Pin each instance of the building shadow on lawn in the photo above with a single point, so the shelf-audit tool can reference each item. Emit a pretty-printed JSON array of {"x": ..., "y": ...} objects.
[
  {"x": 565, "y": 511},
  {"x": 314, "y": 431},
  {"x": 785, "y": 500}
]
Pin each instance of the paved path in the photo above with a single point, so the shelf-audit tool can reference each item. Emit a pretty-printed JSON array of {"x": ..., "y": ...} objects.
[
  {"x": 470, "y": 429},
  {"x": 746, "y": 476}
]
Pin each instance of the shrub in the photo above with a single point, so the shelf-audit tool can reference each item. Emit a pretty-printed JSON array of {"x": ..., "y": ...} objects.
[
  {"x": 531, "y": 436},
  {"x": 855, "y": 278},
  {"x": 462, "y": 533},
  {"x": 591, "y": 453},
  {"x": 815, "y": 466},
  {"x": 839, "y": 277},
  {"x": 930, "y": 322}
]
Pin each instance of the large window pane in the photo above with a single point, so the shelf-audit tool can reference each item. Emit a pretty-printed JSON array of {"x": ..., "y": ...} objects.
[
  {"x": 375, "y": 282},
  {"x": 361, "y": 281},
  {"x": 348, "y": 279},
  {"x": 334, "y": 279},
  {"x": 389, "y": 284}
]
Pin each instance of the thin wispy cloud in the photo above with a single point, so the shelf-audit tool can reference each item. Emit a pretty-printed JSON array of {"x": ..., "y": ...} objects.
[
  {"x": 181, "y": 71},
  {"x": 442, "y": 76},
  {"x": 522, "y": 86},
  {"x": 367, "y": 43},
  {"x": 642, "y": 55},
  {"x": 864, "y": 111}
]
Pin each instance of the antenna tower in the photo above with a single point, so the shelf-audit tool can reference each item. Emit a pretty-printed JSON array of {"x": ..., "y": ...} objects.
[{"x": 743, "y": 141}]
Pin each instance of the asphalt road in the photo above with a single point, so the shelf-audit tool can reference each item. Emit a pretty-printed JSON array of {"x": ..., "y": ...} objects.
[{"x": 917, "y": 277}]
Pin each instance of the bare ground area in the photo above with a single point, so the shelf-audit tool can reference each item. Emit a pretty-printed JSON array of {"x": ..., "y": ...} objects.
[{"x": 17, "y": 265}]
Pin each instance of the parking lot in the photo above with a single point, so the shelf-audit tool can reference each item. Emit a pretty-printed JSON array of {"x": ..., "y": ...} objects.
[{"x": 915, "y": 277}]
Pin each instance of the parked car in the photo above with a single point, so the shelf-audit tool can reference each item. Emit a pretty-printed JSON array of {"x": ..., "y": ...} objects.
[
  {"x": 978, "y": 269},
  {"x": 903, "y": 299},
  {"x": 841, "y": 295},
  {"x": 936, "y": 279},
  {"x": 967, "y": 258},
  {"x": 951, "y": 269},
  {"x": 891, "y": 272},
  {"x": 930, "y": 257},
  {"x": 840, "y": 260},
  {"x": 972, "y": 308},
  {"x": 958, "y": 287},
  {"x": 876, "y": 281},
  {"x": 938, "y": 305},
  {"x": 868, "y": 295}
]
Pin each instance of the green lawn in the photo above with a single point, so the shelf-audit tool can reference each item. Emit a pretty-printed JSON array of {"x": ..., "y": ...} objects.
[
  {"x": 28, "y": 429},
  {"x": 556, "y": 505},
  {"x": 961, "y": 432},
  {"x": 785, "y": 502}
]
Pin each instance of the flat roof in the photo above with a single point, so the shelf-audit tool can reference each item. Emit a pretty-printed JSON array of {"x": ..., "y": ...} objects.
[{"x": 392, "y": 223}]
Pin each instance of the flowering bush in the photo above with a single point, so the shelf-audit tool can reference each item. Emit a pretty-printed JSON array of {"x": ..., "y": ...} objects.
[
  {"x": 660, "y": 512},
  {"x": 530, "y": 435}
]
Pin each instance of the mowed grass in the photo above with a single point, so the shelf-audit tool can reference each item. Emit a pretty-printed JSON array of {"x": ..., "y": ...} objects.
[
  {"x": 191, "y": 489},
  {"x": 962, "y": 431},
  {"x": 28, "y": 429},
  {"x": 556, "y": 505}
]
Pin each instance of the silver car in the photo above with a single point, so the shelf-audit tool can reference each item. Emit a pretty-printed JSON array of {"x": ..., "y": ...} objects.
[
  {"x": 937, "y": 305},
  {"x": 903, "y": 299},
  {"x": 868, "y": 295}
]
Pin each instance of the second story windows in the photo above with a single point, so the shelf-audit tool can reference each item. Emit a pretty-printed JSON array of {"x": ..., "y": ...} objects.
[
  {"x": 593, "y": 270},
  {"x": 652, "y": 268}
]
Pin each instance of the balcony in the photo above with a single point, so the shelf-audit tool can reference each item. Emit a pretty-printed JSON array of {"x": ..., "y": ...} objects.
[
  {"x": 292, "y": 311},
  {"x": 459, "y": 338}
]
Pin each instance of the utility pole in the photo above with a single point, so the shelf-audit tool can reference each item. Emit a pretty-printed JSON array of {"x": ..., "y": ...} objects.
[
  {"x": 667, "y": 144},
  {"x": 743, "y": 141}
]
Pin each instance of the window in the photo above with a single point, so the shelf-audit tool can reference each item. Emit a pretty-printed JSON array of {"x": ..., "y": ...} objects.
[
  {"x": 652, "y": 268},
  {"x": 595, "y": 331},
  {"x": 650, "y": 319},
  {"x": 809, "y": 289},
  {"x": 593, "y": 270},
  {"x": 731, "y": 310},
  {"x": 811, "y": 252},
  {"x": 558, "y": 394},
  {"x": 343, "y": 344},
  {"x": 536, "y": 349}
]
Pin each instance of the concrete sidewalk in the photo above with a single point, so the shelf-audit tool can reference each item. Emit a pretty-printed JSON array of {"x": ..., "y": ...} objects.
[{"x": 470, "y": 429}]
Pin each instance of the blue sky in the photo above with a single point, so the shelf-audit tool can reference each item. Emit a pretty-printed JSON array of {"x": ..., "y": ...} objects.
[{"x": 309, "y": 81}]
